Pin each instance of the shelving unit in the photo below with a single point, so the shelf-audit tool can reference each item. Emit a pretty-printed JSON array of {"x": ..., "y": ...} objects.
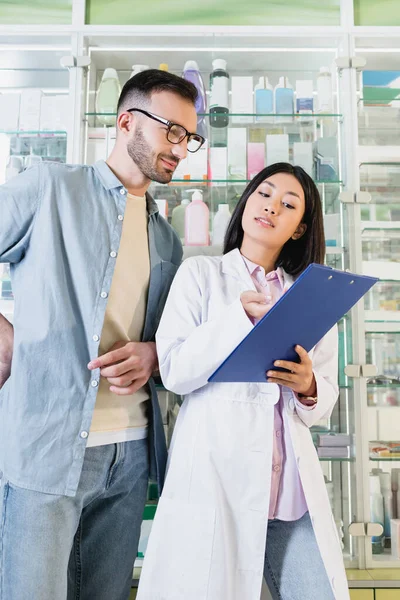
[{"x": 367, "y": 141}]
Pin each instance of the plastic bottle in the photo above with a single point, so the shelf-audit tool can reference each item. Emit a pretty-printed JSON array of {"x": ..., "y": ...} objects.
[
  {"x": 107, "y": 96},
  {"x": 197, "y": 218},
  {"x": 191, "y": 73},
  {"x": 219, "y": 97},
  {"x": 398, "y": 493},
  {"x": 138, "y": 69},
  {"x": 284, "y": 99},
  {"x": 395, "y": 494},
  {"x": 324, "y": 91},
  {"x": 386, "y": 488},
  {"x": 304, "y": 97},
  {"x": 377, "y": 512},
  {"x": 263, "y": 100},
  {"x": 31, "y": 160},
  {"x": 178, "y": 218},
  {"x": 221, "y": 222},
  {"x": 15, "y": 166}
]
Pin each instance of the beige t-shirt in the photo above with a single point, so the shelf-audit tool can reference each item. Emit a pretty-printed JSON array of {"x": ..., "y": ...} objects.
[{"x": 119, "y": 418}]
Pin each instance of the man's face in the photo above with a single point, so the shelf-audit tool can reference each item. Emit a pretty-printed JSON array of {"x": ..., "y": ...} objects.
[{"x": 148, "y": 147}]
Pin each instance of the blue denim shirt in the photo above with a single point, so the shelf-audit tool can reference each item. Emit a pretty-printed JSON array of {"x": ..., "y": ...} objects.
[{"x": 60, "y": 226}]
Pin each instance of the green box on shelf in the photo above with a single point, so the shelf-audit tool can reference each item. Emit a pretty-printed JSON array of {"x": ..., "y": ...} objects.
[{"x": 381, "y": 88}]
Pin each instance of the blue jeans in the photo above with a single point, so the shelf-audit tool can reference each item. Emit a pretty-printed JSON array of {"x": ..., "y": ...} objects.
[
  {"x": 76, "y": 548},
  {"x": 293, "y": 566}
]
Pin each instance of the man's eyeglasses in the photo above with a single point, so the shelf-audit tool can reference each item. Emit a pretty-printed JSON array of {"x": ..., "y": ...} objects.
[{"x": 175, "y": 133}]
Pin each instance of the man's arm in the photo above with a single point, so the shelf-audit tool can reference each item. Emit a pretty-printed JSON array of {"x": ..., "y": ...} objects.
[
  {"x": 19, "y": 199},
  {"x": 6, "y": 349}
]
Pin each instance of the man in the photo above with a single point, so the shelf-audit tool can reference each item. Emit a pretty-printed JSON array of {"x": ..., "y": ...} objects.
[{"x": 92, "y": 262}]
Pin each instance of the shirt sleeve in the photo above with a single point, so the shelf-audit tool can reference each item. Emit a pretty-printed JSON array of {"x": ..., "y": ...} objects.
[
  {"x": 19, "y": 199},
  {"x": 325, "y": 367}
]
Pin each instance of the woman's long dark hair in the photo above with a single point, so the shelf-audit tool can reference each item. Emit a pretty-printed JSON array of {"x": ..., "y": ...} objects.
[{"x": 296, "y": 255}]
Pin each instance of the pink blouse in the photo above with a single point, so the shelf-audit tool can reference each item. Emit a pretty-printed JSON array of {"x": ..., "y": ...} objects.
[{"x": 287, "y": 501}]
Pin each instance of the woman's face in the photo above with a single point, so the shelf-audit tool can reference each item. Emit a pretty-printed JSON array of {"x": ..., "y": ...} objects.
[{"x": 274, "y": 212}]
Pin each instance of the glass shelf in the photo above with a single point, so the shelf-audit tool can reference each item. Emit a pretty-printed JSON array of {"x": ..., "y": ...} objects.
[
  {"x": 254, "y": 115},
  {"x": 386, "y": 227},
  {"x": 344, "y": 460},
  {"x": 384, "y": 459},
  {"x": 232, "y": 181},
  {"x": 33, "y": 133},
  {"x": 383, "y": 386},
  {"x": 379, "y": 164}
]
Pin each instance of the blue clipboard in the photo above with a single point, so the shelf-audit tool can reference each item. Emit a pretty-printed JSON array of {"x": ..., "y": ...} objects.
[{"x": 317, "y": 300}]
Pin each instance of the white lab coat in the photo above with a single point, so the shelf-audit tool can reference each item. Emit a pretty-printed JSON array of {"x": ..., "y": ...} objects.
[{"x": 208, "y": 537}]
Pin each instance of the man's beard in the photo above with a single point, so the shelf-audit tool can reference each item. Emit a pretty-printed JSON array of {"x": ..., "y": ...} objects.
[{"x": 146, "y": 160}]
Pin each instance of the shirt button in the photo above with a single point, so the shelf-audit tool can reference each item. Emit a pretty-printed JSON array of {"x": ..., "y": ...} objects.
[
  {"x": 84, "y": 434},
  {"x": 122, "y": 192},
  {"x": 94, "y": 383},
  {"x": 278, "y": 434},
  {"x": 277, "y": 468},
  {"x": 113, "y": 254},
  {"x": 104, "y": 294},
  {"x": 120, "y": 218},
  {"x": 95, "y": 338}
]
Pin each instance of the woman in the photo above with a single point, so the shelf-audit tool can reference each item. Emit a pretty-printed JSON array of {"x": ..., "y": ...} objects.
[{"x": 244, "y": 495}]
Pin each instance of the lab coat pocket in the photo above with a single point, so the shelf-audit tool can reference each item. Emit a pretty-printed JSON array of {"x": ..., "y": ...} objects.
[{"x": 178, "y": 557}]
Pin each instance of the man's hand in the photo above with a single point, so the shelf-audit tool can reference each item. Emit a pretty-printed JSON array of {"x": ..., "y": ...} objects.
[
  {"x": 6, "y": 349},
  {"x": 127, "y": 366}
]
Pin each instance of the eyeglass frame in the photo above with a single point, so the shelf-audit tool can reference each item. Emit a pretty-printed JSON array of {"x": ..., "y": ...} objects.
[{"x": 170, "y": 124}]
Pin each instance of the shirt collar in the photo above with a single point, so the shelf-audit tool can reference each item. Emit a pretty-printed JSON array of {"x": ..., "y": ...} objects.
[
  {"x": 111, "y": 182},
  {"x": 107, "y": 177},
  {"x": 253, "y": 269}
]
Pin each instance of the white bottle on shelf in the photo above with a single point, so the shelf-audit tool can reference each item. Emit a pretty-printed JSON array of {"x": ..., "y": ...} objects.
[
  {"x": 221, "y": 222},
  {"x": 107, "y": 97},
  {"x": 377, "y": 512},
  {"x": 15, "y": 166},
  {"x": 324, "y": 91},
  {"x": 219, "y": 94},
  {"x": 138, "y": 69}
]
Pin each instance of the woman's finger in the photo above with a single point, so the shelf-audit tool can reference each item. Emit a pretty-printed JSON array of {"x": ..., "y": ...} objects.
[
  {"x": 283, "y": 376},
  {"x": 290, "y": 366},
  {"x": 303, "y": 354}
]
